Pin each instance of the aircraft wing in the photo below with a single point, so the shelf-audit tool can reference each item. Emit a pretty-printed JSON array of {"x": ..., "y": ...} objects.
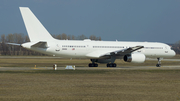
[
  {"x": 127, "y": 51},
  {"x": 103, "y": 54}
]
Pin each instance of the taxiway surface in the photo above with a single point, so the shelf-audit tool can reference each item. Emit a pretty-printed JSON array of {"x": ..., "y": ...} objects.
[{"x": 91, "y": 68}]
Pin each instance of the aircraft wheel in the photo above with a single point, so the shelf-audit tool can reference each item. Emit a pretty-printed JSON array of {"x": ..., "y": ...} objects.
[
  {"x": 90, "y": 64},
  {"x": 114, "y": 65},
  {"x": 111, "y": 65},
  {"x": 108, "y": 65},
  {"x": 158, "y": 65},
  {"x": 159, "y": 62},
  {"x": 93, "y": 65}
]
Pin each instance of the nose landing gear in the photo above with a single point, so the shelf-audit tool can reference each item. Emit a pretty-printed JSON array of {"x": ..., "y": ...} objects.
[{"x": 159, "y": 63}]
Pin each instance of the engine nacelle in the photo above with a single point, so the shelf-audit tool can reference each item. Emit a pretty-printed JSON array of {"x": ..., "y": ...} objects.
[{"x": 135, "y": 58}]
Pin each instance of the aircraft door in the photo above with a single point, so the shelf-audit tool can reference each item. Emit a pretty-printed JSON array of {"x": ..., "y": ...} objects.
[{"x": 87, "y": 47}]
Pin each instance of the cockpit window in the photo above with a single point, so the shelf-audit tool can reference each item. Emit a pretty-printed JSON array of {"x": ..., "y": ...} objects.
[{"x": 171, "y": 48}]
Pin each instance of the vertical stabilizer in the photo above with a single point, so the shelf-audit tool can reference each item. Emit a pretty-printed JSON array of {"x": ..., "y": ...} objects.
[{"x": 35, "y": 30}]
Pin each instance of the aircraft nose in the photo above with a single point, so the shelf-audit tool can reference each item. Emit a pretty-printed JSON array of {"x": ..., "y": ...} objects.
[{"x": 173, "y": 53}]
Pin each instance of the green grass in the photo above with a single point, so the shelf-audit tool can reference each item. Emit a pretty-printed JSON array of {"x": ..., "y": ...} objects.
[
  {"x": 176, "y": 57},
  {"x": 90, "y": 85},
  {"x": 87, "y": 85}
]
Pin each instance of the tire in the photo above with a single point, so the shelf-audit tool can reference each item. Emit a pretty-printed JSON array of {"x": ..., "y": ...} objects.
[
  {"x": 114, "y": 65},
  {"x": 158, "y": 65}
]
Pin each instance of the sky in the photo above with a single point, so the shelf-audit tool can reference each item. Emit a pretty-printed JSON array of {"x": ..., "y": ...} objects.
[{"x": 122, "y": 20}]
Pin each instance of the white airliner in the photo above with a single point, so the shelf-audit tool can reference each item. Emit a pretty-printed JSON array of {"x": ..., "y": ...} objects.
[{"x": 96, "y": 51}]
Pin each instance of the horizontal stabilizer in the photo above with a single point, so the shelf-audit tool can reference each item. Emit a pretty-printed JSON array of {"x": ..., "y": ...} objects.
[
  {"x": 40, "y": 45},
  {"x": 15, "y": 44}
]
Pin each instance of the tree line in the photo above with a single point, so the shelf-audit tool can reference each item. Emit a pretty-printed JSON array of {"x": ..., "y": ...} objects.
[
  {"x": 176, "y": 47},
  {"x": 20, "y": 38}
]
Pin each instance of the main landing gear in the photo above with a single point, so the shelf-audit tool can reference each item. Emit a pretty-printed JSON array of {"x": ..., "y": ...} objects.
[
  {"x": 109, "y": 61},
  {"x": 159, "y": 63},
  {"x": 93, "y": 65},
  {"x": 111, "y": 65},
  {"x": 108, "y": 65}
]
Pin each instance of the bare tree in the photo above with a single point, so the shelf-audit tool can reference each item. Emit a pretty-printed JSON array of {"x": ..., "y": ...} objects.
[
  {"x": 176, "y": 47},
  {"x": 3, "y": 38},
  {"x": 64, "y": 36},
  {"x": 93, "y": 37},
  {"x": 27, "y": 39},
  {"x": 57, "y": 36},
  {"x": 73, "y": 37},
  {"x": 69, "y": 37},
  {"x": 81, "y": 37},
  {"x": 3, "y": 48}
]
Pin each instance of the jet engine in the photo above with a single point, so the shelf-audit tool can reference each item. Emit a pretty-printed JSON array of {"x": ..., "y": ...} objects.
[{"x": 135, "y": 58}]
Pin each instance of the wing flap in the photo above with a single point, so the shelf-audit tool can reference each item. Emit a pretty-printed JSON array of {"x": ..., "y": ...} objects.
[{"x": 129, "y": 50}]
